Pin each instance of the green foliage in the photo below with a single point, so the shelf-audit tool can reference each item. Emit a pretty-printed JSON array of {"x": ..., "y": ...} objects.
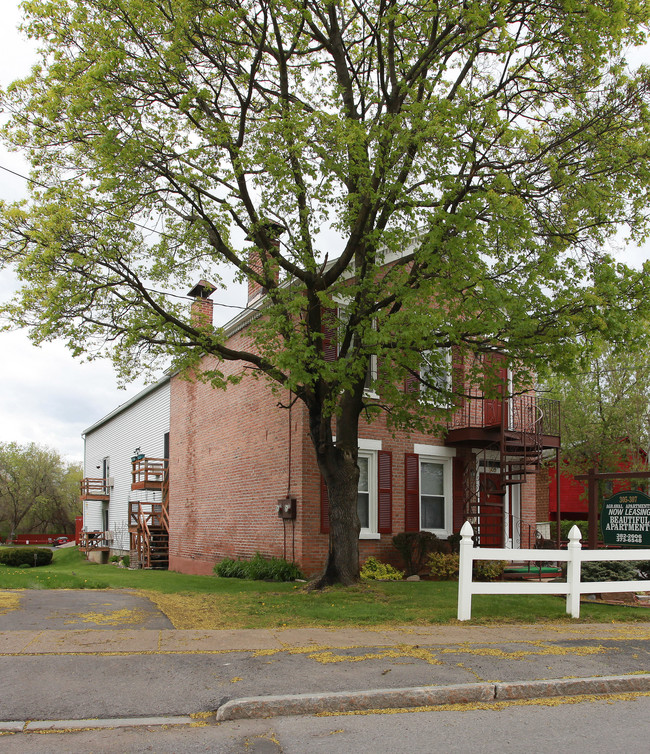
[
  {"x": 39, "y": 492},
  {"x": 375, "y": 570},
  {"x": 443, "y": 566},
  {"x": 489, "y": 570},
  {"x": 126, "y": 560},
  {"x": 565, "y": 528},
  {"x": 614, "y": 570},
  {"x": 231, "y": 569},
  {"x": 414, "y": 547},
  {"x": 114, "y": 559},
  {"x": 605, "y": 410},
  {"x": 258, "y": 568},
  {"x": 27, "y": 556},
  {"x": 400, "y": 142}
]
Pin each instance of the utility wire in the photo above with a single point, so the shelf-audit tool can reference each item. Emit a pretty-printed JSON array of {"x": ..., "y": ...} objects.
[{"x": 139, "y": 225}]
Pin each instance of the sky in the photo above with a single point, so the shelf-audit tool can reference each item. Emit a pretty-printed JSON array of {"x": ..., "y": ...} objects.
[{"x": 46, "y": 396}]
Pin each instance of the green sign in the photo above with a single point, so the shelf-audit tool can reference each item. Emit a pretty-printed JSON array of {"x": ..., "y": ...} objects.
[{"x": 625, "y": 519}]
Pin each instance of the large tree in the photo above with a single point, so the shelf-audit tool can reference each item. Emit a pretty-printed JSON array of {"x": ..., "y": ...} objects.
[{"x": 441, "y": 174}]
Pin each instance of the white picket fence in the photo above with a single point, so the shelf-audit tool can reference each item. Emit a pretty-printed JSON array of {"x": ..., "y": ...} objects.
[{"x": 573, "y": 587}]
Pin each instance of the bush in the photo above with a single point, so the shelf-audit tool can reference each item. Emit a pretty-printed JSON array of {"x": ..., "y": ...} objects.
[
  {"x": 258, "y": 568},
  {"x": 565, "y": 528},
  {"x": 374, "y": 569},
  {"x": 443, "y": 566},
  {"x": 613, "y": 570},
  {"x": 27, "y": 556},
  {"x": 230, "y": 569},
  {"x": 489, "y": 570},
  {"x": 415, "y": 547}
]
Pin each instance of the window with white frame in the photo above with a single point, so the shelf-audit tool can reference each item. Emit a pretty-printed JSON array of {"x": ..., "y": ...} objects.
[
  {"x": 371, "y": 370},
  {"x": 436, "y": 492},
  {"x": 367, "y": 495},
  {"x": 435, "y": 376}
]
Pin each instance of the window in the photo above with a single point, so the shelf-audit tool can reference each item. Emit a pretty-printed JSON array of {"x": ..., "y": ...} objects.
[
  {"x": 429, "y": 493},
  {"x": 435, "y": 376},
  {"x": 432, "y": 495},
  {"x": 367, "y": 494},
  {"x": 374, "y": 491},
  {"x": 371, "y": 370}
]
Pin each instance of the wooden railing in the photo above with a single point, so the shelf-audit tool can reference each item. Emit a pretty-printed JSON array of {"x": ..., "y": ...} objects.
[
  {"x": 96, "y": 489},
  {"x": 148, "y": 473},
  {"x": 95, "y": 540},
  {"x": 148, "y": 523},
  {"x": 148, "y": 515}
]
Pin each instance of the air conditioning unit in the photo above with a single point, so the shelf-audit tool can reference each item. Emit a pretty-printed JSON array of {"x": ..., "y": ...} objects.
[
  {"x": 111, "y": 481},
  {"x": 109, "y": 536}
]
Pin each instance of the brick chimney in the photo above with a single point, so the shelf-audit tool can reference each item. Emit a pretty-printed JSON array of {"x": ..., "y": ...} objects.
[
  {"x": 201, "y": 311},
  {"x": 274, "y": 231}
]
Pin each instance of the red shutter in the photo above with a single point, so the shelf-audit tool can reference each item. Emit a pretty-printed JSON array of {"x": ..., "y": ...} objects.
[
  {"x": 411, "y": 384},
  {"x": 412, "y": 492},
  {"x": 385, "y": 487},
  {"x": 329, "y": 325},
  {"x": 324, "y": 507}
]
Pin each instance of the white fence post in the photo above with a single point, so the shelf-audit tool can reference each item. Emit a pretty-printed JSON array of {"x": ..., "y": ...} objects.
[
  {"x": 465, "y": 567},
  {"x": 573, "y": 573}
]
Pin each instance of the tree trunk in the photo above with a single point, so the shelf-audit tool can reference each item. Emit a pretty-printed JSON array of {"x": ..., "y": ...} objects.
[
  {"x": 341, "y": 476},
  {"x": 337, "y": 462}
]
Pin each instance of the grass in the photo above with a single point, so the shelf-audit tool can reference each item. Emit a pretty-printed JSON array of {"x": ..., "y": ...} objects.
[{"x": 212, "y": 602}]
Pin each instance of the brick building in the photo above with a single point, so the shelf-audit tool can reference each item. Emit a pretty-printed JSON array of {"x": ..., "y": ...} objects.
[{"x": 228, "y": 457}]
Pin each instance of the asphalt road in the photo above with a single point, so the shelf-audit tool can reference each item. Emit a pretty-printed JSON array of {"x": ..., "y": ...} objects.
[
  {"x": 78, "y": 655},
  {"x": 596, "y": 727}
]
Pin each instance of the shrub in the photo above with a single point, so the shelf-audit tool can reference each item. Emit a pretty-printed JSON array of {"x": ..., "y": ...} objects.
[
  {"x": 415, "y": 547},
  {"x": 565, "y": 528},
  {"x": 614, "y": 570},
  {"x": 114, "y": 559},
  {"x": 230, "y": 569},
  {"x": 454, "y": 542},
  {"x": 374, "y": 569},
  {"x": 126, "y": 560},
  {"x": 489, "y": 570},
  {"x": 28, "y": 556},
  {"x": 258, "y": 568},
  {"x": 443, "y": 566}
]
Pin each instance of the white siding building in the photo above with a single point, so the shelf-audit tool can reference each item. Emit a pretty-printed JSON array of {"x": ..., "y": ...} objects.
[{"x": 139, "y": 426}]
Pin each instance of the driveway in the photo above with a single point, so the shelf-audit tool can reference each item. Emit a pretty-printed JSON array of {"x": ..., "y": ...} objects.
[{"x": 60, "y": 609}]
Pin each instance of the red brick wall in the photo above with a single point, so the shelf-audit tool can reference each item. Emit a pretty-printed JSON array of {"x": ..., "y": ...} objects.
[
  {"x": 229, "y": 464},
  {"x": 228, "y": 467}
]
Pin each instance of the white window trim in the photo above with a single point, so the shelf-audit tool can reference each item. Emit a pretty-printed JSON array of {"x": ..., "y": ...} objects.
[
  {"x": 443, "y": 456},
  {"x": 368, "y": 449},
  {"x": 439, "y": 401},
  {"x": 342, "y": 303}
]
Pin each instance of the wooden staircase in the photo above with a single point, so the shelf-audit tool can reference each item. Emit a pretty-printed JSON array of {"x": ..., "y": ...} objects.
[{"x": 149, "y": 531}]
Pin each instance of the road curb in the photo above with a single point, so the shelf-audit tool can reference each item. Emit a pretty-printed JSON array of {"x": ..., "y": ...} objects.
[
  {"x": 425, "y": 696},
  {"x": 38, "y": 726}
]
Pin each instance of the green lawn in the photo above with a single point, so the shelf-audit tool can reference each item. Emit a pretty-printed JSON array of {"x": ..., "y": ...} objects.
[{"x": 212, "y": 602}]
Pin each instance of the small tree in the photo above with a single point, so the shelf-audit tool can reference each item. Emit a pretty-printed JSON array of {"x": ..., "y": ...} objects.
[{"x": 466, "y": 160}]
